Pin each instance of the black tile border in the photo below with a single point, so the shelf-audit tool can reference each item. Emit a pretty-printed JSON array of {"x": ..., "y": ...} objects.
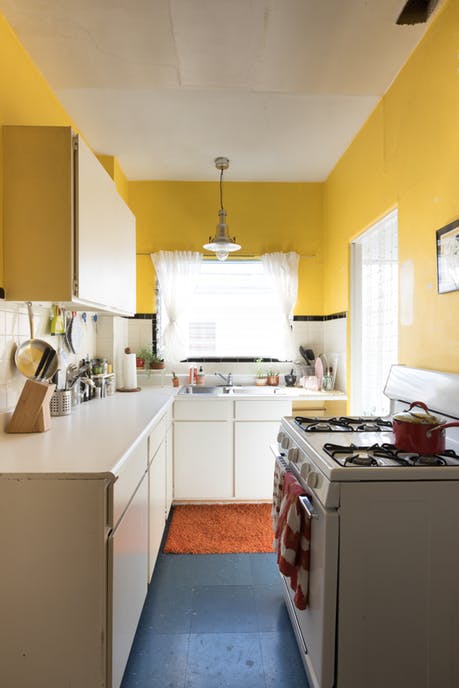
[
  {"x": 319, "y": 318},
  {"x": 2, "y": 293}
]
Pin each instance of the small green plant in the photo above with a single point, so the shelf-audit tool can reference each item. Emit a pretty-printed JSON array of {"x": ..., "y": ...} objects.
[
  {"x": 146, "y": 354},
  {"x": 260, "y": 372}
]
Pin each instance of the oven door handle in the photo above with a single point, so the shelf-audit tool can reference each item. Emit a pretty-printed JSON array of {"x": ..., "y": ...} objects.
[{"x": 307, "y": 506}]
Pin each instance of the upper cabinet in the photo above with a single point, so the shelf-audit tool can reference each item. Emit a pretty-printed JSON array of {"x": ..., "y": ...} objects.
[{"x": 68, "y": 235}]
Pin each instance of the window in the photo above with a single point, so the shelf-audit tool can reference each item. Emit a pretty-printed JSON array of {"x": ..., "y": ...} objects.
[
  {"x": 235, "y": 313},
  {"x": 374, "y": 330}
]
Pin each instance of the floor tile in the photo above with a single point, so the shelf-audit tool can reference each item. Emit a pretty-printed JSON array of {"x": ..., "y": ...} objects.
[
  {"x": 229, "y": 660},
  {"x": 223, "y": 609},
  {"x": 270, "y": 608},
  {"x": 282, "y": 664},
  {"x": 264, "y": 569},
  {"x": 203, "y": 569},
  {"x": 159, "y": 662},
  {"x": 167, "y": 610}
]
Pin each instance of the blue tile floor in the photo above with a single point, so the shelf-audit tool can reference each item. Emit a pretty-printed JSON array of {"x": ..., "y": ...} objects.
[{"x": 215, "y": 621}]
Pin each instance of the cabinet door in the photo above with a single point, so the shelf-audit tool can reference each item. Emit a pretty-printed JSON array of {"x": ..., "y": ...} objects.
[
  {"x": 129, "y": 555},
  {"x": 169, "y": 469},
  {"x": 105, "y": 238},
  {"x": 157, "y": 505},
  {"x": 254, "y": 461},
  {"x": 203, "y": 460}
]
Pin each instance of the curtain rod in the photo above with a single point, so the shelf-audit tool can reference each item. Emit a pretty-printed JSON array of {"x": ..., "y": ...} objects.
[{"x": 239, "y": 255}]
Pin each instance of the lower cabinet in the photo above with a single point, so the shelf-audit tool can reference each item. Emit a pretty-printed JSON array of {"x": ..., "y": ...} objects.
[
  {"x": 222, "y": 448},
  {"x": 203, "y": 460},
  {"x": 157, "y": 504},
  {"x": 169, "y": 464},
  {"x": 128, "y": 560},
  {"x": 80, "y": 553},
  {"x": 253, "y": 459}
]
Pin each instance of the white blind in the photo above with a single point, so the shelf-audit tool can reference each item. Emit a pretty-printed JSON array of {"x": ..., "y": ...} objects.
[
  {"x": 379, "y": 264},
  {"x": 234, "y": 313}
]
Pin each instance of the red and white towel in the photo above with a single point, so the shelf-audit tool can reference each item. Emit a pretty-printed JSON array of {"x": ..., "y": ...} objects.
[{"x": 292, "y": 539}]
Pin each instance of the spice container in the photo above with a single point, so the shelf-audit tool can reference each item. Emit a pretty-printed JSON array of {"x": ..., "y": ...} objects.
[{"x": 200, "y": 377}]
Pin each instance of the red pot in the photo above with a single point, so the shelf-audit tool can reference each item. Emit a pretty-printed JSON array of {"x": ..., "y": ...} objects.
[{"x": 422, "y": 433}]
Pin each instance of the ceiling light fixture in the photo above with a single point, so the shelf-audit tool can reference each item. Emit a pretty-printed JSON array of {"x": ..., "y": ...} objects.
[{"x": 221, "y": 243}]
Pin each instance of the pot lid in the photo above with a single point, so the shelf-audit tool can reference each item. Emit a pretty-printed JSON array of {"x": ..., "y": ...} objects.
[{"x": 417, "y": 417}]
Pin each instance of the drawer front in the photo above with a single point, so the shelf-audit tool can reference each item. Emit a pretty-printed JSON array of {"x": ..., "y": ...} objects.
[
  {"x": 262, "y": 410},
  {"x": 197, "y": 409},
  {"x": 130, "y": 476},
  {"x": 156, "y": 437}
]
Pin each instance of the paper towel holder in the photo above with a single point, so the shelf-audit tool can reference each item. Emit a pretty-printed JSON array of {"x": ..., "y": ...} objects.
[{"x": 127, "y": 350}]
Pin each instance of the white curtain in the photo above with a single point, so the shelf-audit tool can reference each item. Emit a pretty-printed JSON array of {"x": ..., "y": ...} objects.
[
  {"x": 177, "y": 273},
  {"x": 282, "y": 269}
]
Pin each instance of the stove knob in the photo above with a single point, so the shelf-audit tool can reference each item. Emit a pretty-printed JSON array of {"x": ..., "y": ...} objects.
[
  {"x": 305, "y": 468},
  {"x": 280, "y": 437},
  {"x": 293, "y": 454},
  {"x": 285, "y": 442},
  {"x": 313, "y": 479}
]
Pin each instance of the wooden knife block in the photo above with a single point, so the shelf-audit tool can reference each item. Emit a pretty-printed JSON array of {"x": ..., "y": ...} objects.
[{"x": 32, "y": 413}]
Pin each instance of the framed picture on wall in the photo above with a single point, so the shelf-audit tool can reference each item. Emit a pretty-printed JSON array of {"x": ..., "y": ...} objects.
[{"x": 448, "y": 258}]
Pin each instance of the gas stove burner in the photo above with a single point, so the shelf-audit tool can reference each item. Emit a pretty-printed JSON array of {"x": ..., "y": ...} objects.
[
  {"x": 388, "y": 454},
  {"x": 361, "y": 459},
  {"x": 352, "y": 455},
  {"x": 343, "y": 424}
]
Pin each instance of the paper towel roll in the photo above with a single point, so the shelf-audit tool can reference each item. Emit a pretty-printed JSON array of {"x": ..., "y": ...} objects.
[{"x": 129, "y": 371}]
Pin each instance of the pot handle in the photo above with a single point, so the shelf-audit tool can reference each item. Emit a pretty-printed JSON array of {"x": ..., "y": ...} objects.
[
  {"x": 419, "y": 403},
  {"x": 442, "y": 427}
]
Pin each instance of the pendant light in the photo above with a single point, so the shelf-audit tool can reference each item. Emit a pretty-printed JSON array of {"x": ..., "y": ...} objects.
[{"x": 222, "y": 243}]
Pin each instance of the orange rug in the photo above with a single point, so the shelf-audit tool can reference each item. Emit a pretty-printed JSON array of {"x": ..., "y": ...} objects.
[{"x": 220, "y": 529}]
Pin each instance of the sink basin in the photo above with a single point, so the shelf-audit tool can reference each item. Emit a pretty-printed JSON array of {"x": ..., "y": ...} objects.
[
  {"x": 221, "y": 390},
  {"x": 201, "y": 389}
]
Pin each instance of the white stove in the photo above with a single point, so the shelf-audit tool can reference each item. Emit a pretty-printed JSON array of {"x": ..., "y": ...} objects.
[{"x": 384, "y": 599}]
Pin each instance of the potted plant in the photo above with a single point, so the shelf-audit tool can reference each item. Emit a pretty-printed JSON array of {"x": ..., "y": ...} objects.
[
  {"x": 143, "y": 357},
  {"x": 273, "y": 378},
  {"x": 156, "y": 362},
  {"x": 149, "y": 360},
  {"x": 260, "y": 375}
]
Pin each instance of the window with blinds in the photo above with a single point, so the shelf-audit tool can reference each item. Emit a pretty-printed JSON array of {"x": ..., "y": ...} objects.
[
  {"x": 374, "y": 314},
  {"x": 234, "y": 313}
]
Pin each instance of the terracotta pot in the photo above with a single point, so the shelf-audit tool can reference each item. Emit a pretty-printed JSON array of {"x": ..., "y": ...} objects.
[
  {"x": 139, "y": 362},
  {"x": 422, "y": 433},
  {"x": 158, "y": 365},
  {"x": 273, "y": 380}
]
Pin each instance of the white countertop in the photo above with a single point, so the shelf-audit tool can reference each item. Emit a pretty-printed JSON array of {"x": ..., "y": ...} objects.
[
  {"x": 95, "y": 438},
  {"x": 92, "y": 441}
]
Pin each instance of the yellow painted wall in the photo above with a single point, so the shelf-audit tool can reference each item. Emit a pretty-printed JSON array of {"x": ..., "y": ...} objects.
[
  {"x": 26, "y": 99},
  {"x": 406, "y": 156},
  {"x": 264, "y": 217}
]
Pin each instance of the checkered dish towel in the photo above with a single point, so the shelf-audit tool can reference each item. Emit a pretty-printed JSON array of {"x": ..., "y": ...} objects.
[{"x": 293, "y": 538}]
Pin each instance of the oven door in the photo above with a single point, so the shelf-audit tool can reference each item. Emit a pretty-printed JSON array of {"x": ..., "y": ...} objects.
[{"x": 315, "y": 626}]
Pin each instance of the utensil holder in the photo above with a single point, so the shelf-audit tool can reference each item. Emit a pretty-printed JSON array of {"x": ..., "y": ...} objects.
[{"x": 61, "y": 403}]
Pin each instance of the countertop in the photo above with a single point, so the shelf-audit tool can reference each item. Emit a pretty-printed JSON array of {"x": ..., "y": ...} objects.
[{"x": 91, "y": 442}]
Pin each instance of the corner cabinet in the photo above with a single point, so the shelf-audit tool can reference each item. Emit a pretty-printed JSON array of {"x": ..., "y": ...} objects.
[{"x": 68, "y": 235}]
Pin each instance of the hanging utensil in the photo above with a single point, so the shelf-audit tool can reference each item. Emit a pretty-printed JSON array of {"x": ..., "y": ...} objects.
[{"x": 29, "y": 355}]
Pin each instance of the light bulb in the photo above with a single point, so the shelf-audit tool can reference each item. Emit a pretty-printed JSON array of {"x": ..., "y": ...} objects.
[{"x": 221, "y": 255}]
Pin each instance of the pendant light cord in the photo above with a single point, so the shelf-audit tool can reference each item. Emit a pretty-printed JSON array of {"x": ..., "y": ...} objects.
[{"x": 221, "y": 192}]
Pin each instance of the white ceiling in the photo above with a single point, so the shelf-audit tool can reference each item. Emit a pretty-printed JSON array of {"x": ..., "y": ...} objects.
[{"x": 280, "y": 87}]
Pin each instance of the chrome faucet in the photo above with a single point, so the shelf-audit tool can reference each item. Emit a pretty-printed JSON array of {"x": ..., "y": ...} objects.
[{"x": 228, "y": 379}]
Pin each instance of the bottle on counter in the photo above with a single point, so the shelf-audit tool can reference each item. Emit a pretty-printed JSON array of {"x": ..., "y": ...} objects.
[
  {"x": 193, "y": 374},
  {"x": 200, "y": 377}
]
